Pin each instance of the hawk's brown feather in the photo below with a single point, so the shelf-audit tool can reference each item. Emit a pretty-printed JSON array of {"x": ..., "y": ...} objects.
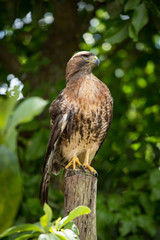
[{"x": 80, "y": 118}]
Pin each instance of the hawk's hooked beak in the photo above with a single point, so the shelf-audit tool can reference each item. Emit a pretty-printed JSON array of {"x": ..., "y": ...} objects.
[
  {"x": 97, "y": 61},
  {"x": 94, "y": 60}
]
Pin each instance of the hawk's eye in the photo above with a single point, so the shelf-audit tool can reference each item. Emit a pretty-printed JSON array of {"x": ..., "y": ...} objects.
[{"x": 85, "y": 55}]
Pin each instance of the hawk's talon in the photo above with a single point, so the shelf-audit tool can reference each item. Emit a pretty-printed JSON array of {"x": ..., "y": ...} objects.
[
  {"x": 91, "y": 169},
  {"x": 83, "y": 168},
  {"x": 95, "y": 174},
  {"x": 73, "y": 162}
]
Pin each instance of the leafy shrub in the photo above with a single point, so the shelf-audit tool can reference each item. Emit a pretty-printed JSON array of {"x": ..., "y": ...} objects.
[{"x": 46, "y": 229}]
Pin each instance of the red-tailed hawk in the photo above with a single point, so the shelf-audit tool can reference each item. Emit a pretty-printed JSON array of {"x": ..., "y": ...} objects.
[{"x": 80, "y": 118}]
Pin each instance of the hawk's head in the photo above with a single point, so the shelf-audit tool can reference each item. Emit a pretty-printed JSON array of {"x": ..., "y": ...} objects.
[{"x": 81, "y": 62}]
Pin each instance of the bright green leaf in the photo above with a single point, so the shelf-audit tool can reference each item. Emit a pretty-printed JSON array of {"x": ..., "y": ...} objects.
[
  {"x": 46, "y": 218},
  {"x": 60, "y": 234},
  {"x": 7, "y": 104},
  {"x": 48, "y": 236},
  {"x": 27, "y": 236},
  {"x": 135, "y": 146},
  {"x": 20, "y": 228},
  {"x": 70, "y": 235},
  {"x": 57, "y": 222},
  {"x": 10, "y": 139},
  {"x": 81, "y": 210},
  {"x": 72, "y": 227},
  {"x": 66, "y": 234},
  {"x": 27, "y": 110}
]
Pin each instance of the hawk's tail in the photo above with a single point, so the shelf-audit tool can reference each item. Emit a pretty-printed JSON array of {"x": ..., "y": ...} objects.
[
  {"x": 43, "y": 193},
  {"x": 50, "y": 165}
]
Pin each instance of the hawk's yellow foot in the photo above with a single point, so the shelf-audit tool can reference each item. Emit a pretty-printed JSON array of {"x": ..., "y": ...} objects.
[
  {"x": 73, "y": 162},
  {"x": 86, "y": 165},
  {"x": 91, "y": 169}
]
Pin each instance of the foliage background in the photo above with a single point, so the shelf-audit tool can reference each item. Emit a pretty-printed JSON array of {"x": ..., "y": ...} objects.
[{"x": 37, "y": 38}]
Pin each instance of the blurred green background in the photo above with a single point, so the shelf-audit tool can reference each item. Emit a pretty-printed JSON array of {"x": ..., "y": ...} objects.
[{"x": 37, "y": 38}]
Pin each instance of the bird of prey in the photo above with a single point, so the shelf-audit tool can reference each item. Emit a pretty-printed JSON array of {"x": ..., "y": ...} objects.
[{"x": 80, "y": 118}]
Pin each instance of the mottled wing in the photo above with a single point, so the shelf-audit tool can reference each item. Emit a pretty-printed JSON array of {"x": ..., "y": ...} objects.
[
  {"x": 61, "y": 118},
  {"x": 108, "y": 118}
]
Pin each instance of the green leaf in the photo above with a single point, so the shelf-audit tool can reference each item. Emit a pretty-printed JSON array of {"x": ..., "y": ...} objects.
[
  {"x": 117, "y": 32},
  {"x": 70, "y": 235},
  {"x": 130, "y": 4},
  {"x": 66, "y": 234},
  {"x": 72, "y": 227},
  {"x": 27, "y": 236},
  {"x": 6, "y": 106},
  {"x": 11, "y": 189},
  {"x": 57, "y": 222},
  {"x": 154, "y": 177},
  {"x": 147, "y": 223},
  {"x": 81, "y": 210},
  {"x": 139, "y": 20},
  {"x": 36, "y": 145},
  {"x": 11, "y": 139},
  {"x": 48, "y": 236},
  {"x": 153, "y": 139},
  {"x": 46, "y": 218},
  {"x": 126, "y": 227},
  {"x": 61, "y": 235},
  {"x": 20, "y": 228},
  {"x": 27, "y": 110},
  {"x": 155, "y": 193},
  {"x": 135, "y": 146}
]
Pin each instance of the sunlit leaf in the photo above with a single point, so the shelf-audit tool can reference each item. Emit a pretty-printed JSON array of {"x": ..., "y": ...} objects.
[
  {"x": 7, "y": 104},
  {"x": 48, "y": 236},
  {"x": 27, "y": 110},
  {"x": 46, "y": 218},
  {"x": 66, "y": 234},
  {"x": 135, "y": 146},
  {"x": 72, "y": 227},
  {"x": 81, "y": 210},
  {"x": 70, "y": 235},
  {"x": 20, "y": 228},
  {"x": 10, "y": 139},
  {"x": 26, "y": 236}
]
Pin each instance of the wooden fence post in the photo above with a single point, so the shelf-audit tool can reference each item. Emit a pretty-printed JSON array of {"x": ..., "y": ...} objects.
[{"x": 81, "y": 189}]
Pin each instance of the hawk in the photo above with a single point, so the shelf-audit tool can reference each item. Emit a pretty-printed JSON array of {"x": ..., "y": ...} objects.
[{"x": 80, "y": 118}]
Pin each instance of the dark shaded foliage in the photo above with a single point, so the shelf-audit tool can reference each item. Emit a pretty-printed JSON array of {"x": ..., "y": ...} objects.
[{"x": 125, "y": 36}]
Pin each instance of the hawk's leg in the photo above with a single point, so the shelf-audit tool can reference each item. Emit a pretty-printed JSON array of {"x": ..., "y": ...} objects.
[
  {"x": 73, "y": 162},
  {"x": 86, "y": 165}
]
